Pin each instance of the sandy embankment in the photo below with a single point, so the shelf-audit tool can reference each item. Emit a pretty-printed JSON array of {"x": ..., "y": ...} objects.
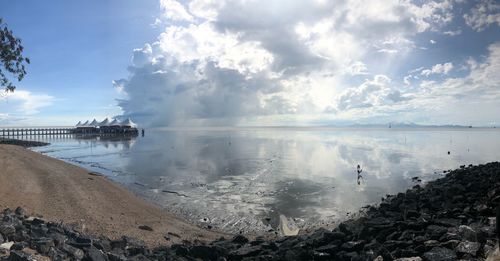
[{"x": 63, "y": 192}]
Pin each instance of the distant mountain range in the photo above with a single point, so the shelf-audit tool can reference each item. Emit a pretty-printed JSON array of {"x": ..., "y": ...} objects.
[{"x": 407, "y": 125}]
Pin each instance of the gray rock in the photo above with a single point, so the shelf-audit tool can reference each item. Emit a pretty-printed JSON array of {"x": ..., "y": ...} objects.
[
  {"x": 239, "y": 239},
  {"x": 336, "y": 235},
  {"x": 59, "y": 239},
  {"x": 138, "y": 258},
  {"x": 395, "y": 244},
  {"x": 415, "y": 258},
  {"x": 180, "y": 250},
  {"x": 330, "y": 249},
  {"x": 95, "y": 254},
  {"x": 117, "y": 257},
  {"x": 20, "y": 256},
  {"x": 81, "y": 242},
  {"x": 431, "y": 243},
  {"x": 468, "y": 247},
  {"x": 206, "y": 252},
  {"x": 440, "y": 254},
  {"x": 420, "y": 239},
  {"x": 43, "y": 245},
  {"x": 18, "y": 246},
  {"x": 450, "y": 236},
  {"x": 436, "y": 232},
  {"x": 448, "y": 222},
  {"x": 136, "y": 250},
  {"x": 353, "y": 256},
  {"x": 293, "y": 255},
  {"x": 246, "y": 252},
  {"x": 7, "y": 230},
  {"x": 145, "y": 227},
  {"x": 378, "y": 221},
  {"x": 467, "y": 233},
  {"x": 39, "y": 231},
  {"x": 451, "y": 244},
  {"x": 321, "y": 256},
  {"x": 20, "y": 211},
  {"x": 353, "y": 245},
  {"x": 37, "y": 221},
  {"x": 73, "y": 252}
]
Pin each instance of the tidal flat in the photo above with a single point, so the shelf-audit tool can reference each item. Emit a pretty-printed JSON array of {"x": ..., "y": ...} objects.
[{"x": 240, "y": 180}]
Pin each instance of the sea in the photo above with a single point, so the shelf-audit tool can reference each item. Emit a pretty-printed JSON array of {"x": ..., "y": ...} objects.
[{"x": 240, "y": 180}]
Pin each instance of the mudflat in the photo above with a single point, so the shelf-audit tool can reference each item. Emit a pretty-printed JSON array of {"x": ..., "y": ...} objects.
[{"x": 59, "y": 191}]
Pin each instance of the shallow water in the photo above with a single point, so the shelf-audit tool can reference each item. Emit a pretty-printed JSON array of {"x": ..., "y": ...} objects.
[{"x": 244, "y": 179}]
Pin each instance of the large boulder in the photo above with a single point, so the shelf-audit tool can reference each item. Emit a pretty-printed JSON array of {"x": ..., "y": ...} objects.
[
  {"x": 440, "y": 254},
  {"x": 467, "y": 247}
]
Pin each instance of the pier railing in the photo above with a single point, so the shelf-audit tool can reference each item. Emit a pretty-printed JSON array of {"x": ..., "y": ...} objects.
[
  {"x": 20, "y": 132},
  {"x": 66, "y": 131}
]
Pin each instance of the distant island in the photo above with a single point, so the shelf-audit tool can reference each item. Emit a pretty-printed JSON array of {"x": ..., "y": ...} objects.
[{"x": 413, "y": 125}]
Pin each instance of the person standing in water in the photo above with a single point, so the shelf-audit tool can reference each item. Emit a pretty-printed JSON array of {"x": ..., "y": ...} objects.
[
  {"x": 359, "y": 170},
  {"x": 142, "y": 132}
]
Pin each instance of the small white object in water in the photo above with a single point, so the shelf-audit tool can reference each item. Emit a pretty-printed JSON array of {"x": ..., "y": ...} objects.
[
  {"x": 7, "y": 245},
  {"x": 286, "y": 229}
]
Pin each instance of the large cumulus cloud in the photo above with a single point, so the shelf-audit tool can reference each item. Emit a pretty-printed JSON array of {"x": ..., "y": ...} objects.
[{"x": 228, "y": 61}]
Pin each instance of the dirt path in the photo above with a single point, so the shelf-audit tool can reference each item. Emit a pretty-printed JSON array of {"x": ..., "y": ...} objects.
[{"x": 63, "y": 192}]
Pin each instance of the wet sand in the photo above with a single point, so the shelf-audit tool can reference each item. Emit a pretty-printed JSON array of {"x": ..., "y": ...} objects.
[{"x": 63, "y": 192}]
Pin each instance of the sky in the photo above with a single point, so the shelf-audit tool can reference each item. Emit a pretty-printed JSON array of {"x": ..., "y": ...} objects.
[{"x": 254, "y": 62}]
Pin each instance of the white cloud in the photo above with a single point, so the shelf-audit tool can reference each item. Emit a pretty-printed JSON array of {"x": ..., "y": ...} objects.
[
  {"x": 156, "y": 23},
  {"x": 231, "y": 60},
  {"x": 450, "y": 100},
  {"x": 395, "y": 44},
  {"x": 175, "y": 11},
  {"x": 28, "y": 103},
  {"x": 444, "y": 68},
  {"x": 119, "y": 86},
  {"x": 407, "y": 79},
  {"x": 203, "y": 43},
  {"x": 431, "y": 15},
  {"x": 485, "y": 13},
  {"x": 459, "y": 99},
  {"x": 453, "y": 33},
  {"x": 375, "y": 92},
  {"x": 357, "y": 68},
  {"x": 206, "y": 9}
]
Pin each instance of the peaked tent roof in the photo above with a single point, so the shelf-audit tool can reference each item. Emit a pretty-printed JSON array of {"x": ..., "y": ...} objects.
[
  {"x": 85, "y": 124},
  {"x": 79, "y": 124},
  {"x": 94, "y": 123},
  {"x": 115, "y": 122},
  {"x": 105, "y": 122},
  {"x": 128, "y": 122}
]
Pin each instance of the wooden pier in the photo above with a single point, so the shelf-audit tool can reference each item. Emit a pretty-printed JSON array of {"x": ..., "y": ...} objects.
[
  {"x": 67, "y": 132},
  {"x": 22, "y": 132}
]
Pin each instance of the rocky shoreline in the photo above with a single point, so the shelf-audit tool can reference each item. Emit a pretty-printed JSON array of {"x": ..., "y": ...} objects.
[
  {"x": 23, "y": 143},
  {"x": 447, "y": 219}
]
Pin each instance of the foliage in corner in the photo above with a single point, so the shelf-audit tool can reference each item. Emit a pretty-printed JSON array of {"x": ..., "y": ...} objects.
[{"x": 11, "y": 58}]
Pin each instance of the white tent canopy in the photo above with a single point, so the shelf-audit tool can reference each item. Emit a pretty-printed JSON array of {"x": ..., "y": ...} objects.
[
  {"x": 85, "y": 124},
  {"x": 105, "y": 122},
  {"x": 115, "y": 122},
  {"x": 94, "y": 123},
  {"x": 128, "y": 123}
]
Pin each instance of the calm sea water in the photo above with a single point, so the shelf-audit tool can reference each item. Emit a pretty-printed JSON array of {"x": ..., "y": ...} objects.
[{"x": 243, "y": 179}]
